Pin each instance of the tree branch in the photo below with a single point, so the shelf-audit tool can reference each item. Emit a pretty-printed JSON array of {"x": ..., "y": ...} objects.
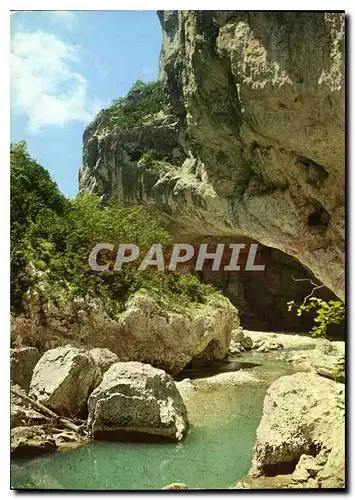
[
  {"x": 45, "y": 410},
  {"x": 315, "y": 287}
]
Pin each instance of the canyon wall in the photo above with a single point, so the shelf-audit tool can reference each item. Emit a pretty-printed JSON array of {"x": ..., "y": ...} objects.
[{"x": 253, "y": 136}]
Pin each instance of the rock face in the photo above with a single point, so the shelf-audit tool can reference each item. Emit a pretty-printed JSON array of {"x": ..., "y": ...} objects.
[
  {"x": 147, "y": 331},
  {"x": 302, "y": 430},
  {"x": 137, "y": 401},
  {"x": 272, "y": 86},
  {"x": 31, "y": 441},
  {"x": 114, "y": 155},
  {"x": 327, "y": 359},
  {"x": 104, "y": 358},
  {"x": 171, "y": 340},
  {"x": 256, "y": 129},
  {"x": 39, "y": 439},
  {"x": 287, "y": 341},
  {"x": 63, "y": 380},
  {"x": 23, "y": 414},
  {"x": 261, "y": 297},
  {"x": 23, "y": 360},
  {"x": 306, "y": 468}
]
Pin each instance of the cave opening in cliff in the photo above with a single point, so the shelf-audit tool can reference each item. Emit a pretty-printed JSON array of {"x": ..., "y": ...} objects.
[{"x": 261, "y": 297}]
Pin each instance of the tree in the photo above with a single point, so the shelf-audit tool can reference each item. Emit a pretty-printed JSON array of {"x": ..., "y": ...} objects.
[
  {"x": 327, "y": 313},
  {"x": 33, "y": 194},
  {"x": 142, "y": 100},
  {"x": 52, "y": 238},
  {"x": 32, "y": 189}
]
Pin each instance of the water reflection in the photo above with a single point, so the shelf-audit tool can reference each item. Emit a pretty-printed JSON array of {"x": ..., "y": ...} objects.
[{"x": 220, "y": 366}]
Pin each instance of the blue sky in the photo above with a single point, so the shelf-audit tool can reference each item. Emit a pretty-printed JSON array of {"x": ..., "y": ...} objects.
[{"x": 65, "y": 67}]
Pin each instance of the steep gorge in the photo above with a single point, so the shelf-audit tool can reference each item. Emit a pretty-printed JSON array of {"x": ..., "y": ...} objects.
[
  {"x": 252, "y": 138},
  {"x": 247, "y": 146}
]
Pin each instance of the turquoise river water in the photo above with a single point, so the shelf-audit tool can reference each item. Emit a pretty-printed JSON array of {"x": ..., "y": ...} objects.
[{"x": 215, "y": 454}]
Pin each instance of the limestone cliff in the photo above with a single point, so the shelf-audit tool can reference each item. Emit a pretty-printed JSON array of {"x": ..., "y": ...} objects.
[
  {"x": 148, "y": 330},
  {"x": 252, "y": 136}
]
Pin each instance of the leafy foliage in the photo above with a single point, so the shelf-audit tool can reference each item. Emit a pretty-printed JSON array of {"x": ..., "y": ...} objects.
[
  {"x": 32, "y": 190},
  {"x": 33, "y": 194},
  {"x": 154, "y": 161},
  {"x": 142, "y": 101},
  {"x": 52, "y": 238},
  {"x": 327, "y": 313}
]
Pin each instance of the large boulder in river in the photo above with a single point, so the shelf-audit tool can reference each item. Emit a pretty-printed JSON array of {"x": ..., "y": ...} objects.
[
  {"x": 329, "y": 360},
  {"x": 104, "y": 358},
  {"x": 303, "y": 416},
  {"x": 23, "y": 360},
  {"x": 137, "y": 401},
  {"x": 168, "y": 339},
  {"x": 326, "y": 359},
  {"x": 63, "y": 380}
]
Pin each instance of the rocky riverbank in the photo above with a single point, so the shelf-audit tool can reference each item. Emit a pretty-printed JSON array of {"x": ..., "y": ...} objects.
[
  {"x": 300, "y": 441},
  {"x": 297, "y": 443},
  {"x": 305, "y": 353},
  {"x": 242, "y": 140},
  {"x": 114, "y": 400},
  {"x": 150, "y": 329}
]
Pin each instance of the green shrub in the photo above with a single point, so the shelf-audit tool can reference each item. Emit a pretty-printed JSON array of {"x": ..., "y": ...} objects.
[
  {"x": 143, "y": 100},
  {"x": 53, "y": 237},
  {"x": 33, "y": 194},
  {"x": 154, "y": 161},
  {"x": 327, "y": 313}
]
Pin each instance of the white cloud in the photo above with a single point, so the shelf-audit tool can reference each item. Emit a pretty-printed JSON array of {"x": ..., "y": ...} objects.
[{"x": 44, "y": 85}]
